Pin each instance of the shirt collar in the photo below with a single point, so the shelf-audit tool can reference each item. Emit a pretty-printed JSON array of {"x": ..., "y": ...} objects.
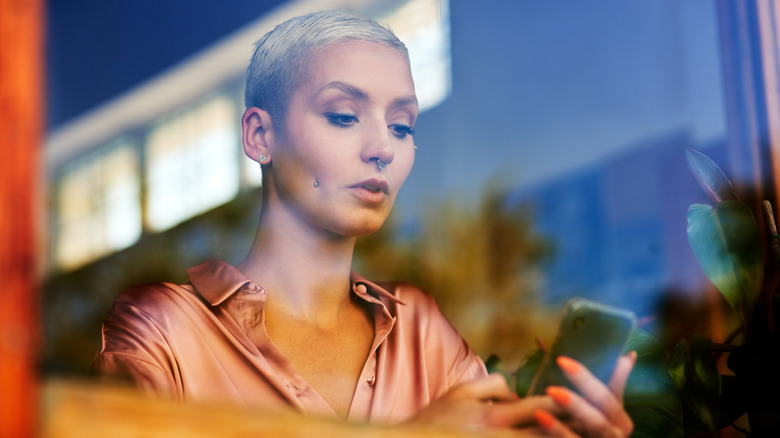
[
  {"x": 371, "y": 291},
  {"x": 216, "y": 281}
]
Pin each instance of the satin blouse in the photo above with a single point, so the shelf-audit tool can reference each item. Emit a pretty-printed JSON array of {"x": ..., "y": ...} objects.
[{"x": 193, "y": 342}]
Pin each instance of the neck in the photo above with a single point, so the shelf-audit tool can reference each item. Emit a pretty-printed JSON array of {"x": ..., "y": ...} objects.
[{"x": 305, "y": 270}]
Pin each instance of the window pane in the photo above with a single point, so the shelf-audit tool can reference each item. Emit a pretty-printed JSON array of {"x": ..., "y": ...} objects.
[
  {"x": 192, "y": 163},
  {"x": 424, "y": 26},
  {"x": 99, "y": 209}
]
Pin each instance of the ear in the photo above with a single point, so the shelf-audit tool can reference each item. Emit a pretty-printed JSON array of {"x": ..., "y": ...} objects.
[{"x": 257, "y": 132}]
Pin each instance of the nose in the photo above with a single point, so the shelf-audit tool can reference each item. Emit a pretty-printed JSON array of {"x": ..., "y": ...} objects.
[{"x": 378, "y": 146}]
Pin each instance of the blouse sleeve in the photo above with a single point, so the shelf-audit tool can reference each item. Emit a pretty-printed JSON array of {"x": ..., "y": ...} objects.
[
  {"x": 134, "y": 347},
  {"x": 449, "y": 359},
  {"x": 464, "y": 364},
  {"x": 470, "y": 368}
]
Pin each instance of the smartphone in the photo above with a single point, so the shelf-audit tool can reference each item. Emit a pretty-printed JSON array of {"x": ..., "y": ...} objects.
[{"x": 591, "y": 333}]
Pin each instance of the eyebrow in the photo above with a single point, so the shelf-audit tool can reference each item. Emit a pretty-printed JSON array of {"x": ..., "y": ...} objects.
[
  {"x": 406, "y": 101},
  {"x": 362, "y": 95},
  {"x": 346, "y": 88}
]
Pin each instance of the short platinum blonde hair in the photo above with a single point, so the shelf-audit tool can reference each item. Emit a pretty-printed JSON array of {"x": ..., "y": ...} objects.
[{"x": 280, "y": 60}]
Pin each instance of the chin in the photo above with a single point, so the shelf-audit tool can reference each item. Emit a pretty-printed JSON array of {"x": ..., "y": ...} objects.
[
  {"x": 366, "y": 232},
  {"x": 352, "y": 229},
  {"x": 364, "y": 228},
  {"x": 355, "y": 225}
]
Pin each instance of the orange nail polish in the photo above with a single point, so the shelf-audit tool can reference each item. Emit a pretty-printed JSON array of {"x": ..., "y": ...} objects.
[
  {"x": 559, "y": 395},
  {"x": 568, "y": 365},
  {"x": 544, "y": 418}
]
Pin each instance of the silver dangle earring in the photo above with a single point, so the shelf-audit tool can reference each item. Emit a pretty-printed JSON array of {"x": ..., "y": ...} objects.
[
  {"x": 380, "y": 164},
  {"x": 316, "y": 183}
]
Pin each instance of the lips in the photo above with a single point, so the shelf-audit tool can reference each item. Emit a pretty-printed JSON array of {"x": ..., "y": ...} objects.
[{"x": 373, "y": 185}]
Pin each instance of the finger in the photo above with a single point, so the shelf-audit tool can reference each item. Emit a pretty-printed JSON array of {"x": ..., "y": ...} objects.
[
  {"x": 520, "y": 413},
  {"x": 623, "y": 369},
  {"x": 595, "y": 392},
  {"x": 589, "y": 418},
  {"x": 492, "y": 387},
  {"x": 551, "y": 425}
]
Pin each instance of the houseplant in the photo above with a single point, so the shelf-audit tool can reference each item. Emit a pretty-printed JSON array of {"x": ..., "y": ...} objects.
[{"x": 685, "y": 392}]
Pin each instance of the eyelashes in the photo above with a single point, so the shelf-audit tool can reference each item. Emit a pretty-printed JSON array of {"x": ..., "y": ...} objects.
[
  {"x": 342, "y": 120},
  {"x": 401, "y": 130},
  {"x": 345, "y": 120}
]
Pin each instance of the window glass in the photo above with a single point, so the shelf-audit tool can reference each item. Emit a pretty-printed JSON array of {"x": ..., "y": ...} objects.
[
  {"x": 98, "y": 204},
  {"x": 192, "y": 163},
  {"x": 423, "y": 25}
]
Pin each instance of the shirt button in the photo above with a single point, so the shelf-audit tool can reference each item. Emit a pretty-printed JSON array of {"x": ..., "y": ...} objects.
[
  {"x": 294, "y": 388},
  {"x": 371, "y": 381},
  {"x": 251, "y": 288}
]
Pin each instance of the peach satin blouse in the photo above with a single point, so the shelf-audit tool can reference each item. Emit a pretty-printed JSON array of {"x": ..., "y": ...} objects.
[{"x": 192, "y": 342}]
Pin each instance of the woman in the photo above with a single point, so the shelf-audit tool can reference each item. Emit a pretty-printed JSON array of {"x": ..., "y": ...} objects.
[{"x": 330, "y": 116}]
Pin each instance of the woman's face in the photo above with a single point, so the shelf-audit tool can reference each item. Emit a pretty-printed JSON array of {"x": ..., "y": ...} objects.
[{"x": 356, "y": 109}]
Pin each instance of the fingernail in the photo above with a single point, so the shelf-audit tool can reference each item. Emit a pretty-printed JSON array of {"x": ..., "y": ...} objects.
[
  {"x": 544, "y": 418},
  {"x": 559, "y": 395},
  {"x": 633, "y": 355},
  {"x": 568, "y": 365}
]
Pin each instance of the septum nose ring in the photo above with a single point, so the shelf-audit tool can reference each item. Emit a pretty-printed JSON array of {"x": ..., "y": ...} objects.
[{"x": 380, "y": 164}]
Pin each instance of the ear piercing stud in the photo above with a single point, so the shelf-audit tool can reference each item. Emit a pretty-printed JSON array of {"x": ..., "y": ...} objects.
[{"x": 261, "y": 158}]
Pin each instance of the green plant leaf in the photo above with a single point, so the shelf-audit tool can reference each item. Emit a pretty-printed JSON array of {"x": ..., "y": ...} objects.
[
  {"x": 696, "y": 376},
  {"x": 494, "y": 365},
  {"x": 710, "y": 177},
  {"x": 650, "y": 396},
  {"x": 726, "y": 241},
  {"x": 527, "y": 370}
]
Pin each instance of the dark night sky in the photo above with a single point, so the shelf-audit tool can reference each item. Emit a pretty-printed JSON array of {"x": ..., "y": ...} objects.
[{"x": 97, "y": 49}]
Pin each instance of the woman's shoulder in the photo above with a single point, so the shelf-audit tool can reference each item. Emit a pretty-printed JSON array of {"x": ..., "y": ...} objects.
[
  {"x": 413, "y": 301},
  {"x": 156, "y": 299},
  {"x": 408, "y": 293}
]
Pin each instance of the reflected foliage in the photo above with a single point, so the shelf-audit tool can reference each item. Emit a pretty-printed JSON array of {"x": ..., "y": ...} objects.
[
  {"x": 696, "y": 376},
  {"x": 729, "y": 246},
  {"x": 651, "y": 398},
  {"x": 481, "y": 264},
  {"x": 727, "y": 243}
]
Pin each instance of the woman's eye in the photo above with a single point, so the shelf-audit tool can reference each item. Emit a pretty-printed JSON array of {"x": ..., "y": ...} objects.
[
  {"x": 400, "y": 130},
  {"x": 341, "y": 119}
]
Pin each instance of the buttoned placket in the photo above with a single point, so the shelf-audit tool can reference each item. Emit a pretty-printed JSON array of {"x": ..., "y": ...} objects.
[
  {"x": 251, "y": 300},
  {"x": 369, "y": 378},
  {"x": 248, "y": 303}
]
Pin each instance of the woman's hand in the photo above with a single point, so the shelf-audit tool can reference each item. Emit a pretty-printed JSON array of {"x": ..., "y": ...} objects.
[
  {"x": 599, "y": 411},
  {"x": 486, "y": 403},
  {"x": 489, "y": 403}
]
